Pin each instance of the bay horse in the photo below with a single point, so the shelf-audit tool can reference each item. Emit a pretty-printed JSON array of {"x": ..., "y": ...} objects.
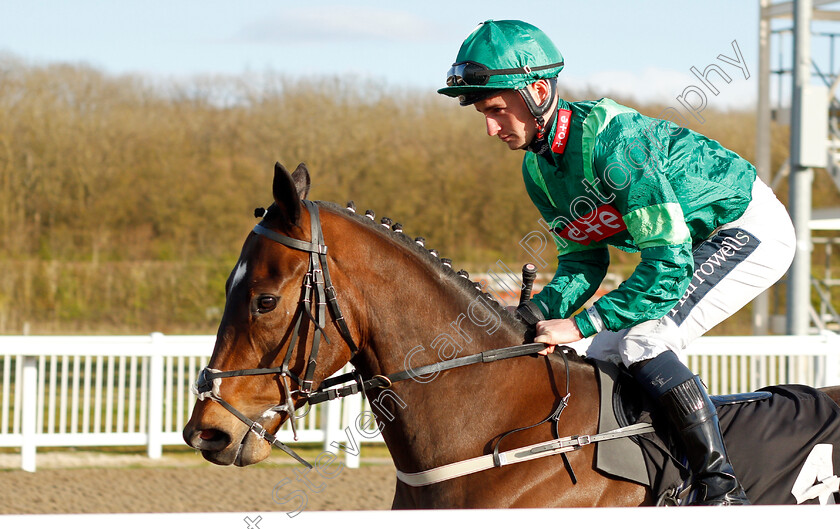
[{"x": 316, "y": 286}]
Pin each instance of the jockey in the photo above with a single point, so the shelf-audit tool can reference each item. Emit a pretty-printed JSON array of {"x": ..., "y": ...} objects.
[{"x": 712, "y": 236}]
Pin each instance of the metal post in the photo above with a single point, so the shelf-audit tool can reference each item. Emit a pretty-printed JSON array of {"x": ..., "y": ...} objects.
[
  {"x": 761, "y": 304},
  {"x": 155, "y": 426},
  {"x": 354, "y": 409},
  {"x": 833, "y": 361},
  {"x": 331, "y": 423},
  {"x": 799, "y": 287},
  {"x": 30, "y": 410}
]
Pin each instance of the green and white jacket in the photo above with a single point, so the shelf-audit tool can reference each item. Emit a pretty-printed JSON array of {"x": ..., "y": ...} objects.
[{"x": 615, "y": 177}]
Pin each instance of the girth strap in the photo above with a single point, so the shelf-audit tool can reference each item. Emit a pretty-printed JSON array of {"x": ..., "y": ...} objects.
[{"x": 517, "y": 455}]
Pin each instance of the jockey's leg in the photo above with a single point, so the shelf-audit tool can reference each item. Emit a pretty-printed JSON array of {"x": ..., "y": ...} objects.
[
  {"x": 687, "y": 404},
  {"x": 739, "y": 262},
  {"x": 742, "y": 260}
]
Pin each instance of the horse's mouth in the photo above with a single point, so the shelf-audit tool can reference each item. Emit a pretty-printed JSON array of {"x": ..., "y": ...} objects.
[
  {"x": 249, "y": 450},
  {"x": 240, "y": 447}
]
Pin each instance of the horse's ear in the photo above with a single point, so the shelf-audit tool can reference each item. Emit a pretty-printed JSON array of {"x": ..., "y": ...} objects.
[
  {"x": 300, "y": 176},
  {"x": 286, "y": 194}
]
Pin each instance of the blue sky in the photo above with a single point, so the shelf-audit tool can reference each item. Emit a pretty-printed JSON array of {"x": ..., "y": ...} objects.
[{"x": 641, "y": 48}]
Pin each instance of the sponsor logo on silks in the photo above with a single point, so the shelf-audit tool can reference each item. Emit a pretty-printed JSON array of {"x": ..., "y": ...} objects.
[
  {"x": 713, "y": 260},
  {"x": 564, "y": 118},
  {"x": 595, "y": 226}
]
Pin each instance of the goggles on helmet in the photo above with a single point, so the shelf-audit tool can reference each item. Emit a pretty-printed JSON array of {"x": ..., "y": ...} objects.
[{"x": 469, "y": 73}]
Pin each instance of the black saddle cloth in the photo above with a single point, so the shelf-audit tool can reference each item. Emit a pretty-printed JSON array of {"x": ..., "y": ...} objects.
[{"x": 767, "y": 440}]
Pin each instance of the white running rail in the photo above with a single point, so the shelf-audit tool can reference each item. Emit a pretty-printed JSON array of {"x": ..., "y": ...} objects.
[{"x": 135, "y": 390}]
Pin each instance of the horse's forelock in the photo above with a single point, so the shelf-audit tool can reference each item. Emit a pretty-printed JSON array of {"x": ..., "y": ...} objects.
[{"x": 275, "y": 217}]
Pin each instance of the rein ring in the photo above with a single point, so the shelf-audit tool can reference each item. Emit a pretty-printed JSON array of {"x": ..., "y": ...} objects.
[{"x": 385, "y": 379}]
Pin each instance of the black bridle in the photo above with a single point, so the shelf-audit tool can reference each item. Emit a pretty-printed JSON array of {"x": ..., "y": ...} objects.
[
  {"x": 324, "y": 295},
  {"x": 317, "y": 293}
]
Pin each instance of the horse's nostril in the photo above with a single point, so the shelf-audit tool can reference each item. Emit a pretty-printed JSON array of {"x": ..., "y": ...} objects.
[
  {"x": 210, "y": 439},
  {"x": 211, "y": 435}
]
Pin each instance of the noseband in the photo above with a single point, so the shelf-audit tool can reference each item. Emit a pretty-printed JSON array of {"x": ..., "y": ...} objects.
[{"x": 318, "y": 293}]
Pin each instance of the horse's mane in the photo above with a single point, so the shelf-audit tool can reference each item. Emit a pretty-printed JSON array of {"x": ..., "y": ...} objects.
[{"x": 458, "y": 281}]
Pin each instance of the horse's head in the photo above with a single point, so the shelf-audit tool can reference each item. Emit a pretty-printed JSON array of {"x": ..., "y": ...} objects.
[{"x": 281, "y": 332}]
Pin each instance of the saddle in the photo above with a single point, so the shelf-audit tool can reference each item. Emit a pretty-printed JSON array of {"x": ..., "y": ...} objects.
[{"x": 654, "y": 459}]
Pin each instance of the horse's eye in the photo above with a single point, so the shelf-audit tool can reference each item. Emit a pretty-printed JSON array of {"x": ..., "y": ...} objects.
[{"x": 266, "y": 304}]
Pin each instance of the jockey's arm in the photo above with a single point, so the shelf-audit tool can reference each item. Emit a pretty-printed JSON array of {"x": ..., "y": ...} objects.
[
  {"x": 579, "y": 274},
  {"x": 656, "y": 227}
]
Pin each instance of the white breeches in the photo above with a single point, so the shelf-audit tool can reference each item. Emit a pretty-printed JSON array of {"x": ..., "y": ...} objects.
[{"x": 737, "y": 263}]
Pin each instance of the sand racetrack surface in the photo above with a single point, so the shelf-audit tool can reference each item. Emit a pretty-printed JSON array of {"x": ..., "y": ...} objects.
[{"x": 194, "y": 489}]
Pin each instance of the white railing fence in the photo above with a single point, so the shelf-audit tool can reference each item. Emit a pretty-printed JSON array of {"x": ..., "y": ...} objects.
[
  {"x": 737, "y": 364},
  {"x": 125, "y": 391},
  {"x": 135, "y": 390}
]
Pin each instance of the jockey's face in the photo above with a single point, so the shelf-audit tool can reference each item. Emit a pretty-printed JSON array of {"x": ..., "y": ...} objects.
[{"x": 507, "y": 116}]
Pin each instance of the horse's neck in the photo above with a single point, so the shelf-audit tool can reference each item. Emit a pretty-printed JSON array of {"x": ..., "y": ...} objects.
[
  {"x": 416, "y": 316},
  {"x": 419, "y": 313}
]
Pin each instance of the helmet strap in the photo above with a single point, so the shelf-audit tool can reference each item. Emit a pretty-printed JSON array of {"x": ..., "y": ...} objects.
[
  {"x": 539, "y": 144},
  {"x": 539, "y": 110}
]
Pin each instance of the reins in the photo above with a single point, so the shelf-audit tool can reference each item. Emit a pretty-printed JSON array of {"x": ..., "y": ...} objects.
[
  {"x": 385, "y": 381},
  {"x": 318, "y": 293}
]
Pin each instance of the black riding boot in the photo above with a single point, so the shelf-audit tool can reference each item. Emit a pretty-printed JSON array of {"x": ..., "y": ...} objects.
[{"x": 689, "y": 408}]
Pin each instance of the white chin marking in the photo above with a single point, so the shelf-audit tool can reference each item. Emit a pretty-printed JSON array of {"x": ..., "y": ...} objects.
[{"x": 238, "y": 274}]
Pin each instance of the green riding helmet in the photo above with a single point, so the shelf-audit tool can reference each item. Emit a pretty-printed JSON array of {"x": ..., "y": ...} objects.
[{"x": 501, "y": 55}]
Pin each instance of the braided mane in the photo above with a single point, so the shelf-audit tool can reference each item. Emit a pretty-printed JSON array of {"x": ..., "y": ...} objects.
[{"x": 459, "y": 280}]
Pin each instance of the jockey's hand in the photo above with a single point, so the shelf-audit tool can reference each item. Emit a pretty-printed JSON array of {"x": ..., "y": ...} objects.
[{"x": 556, "y": 332}]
